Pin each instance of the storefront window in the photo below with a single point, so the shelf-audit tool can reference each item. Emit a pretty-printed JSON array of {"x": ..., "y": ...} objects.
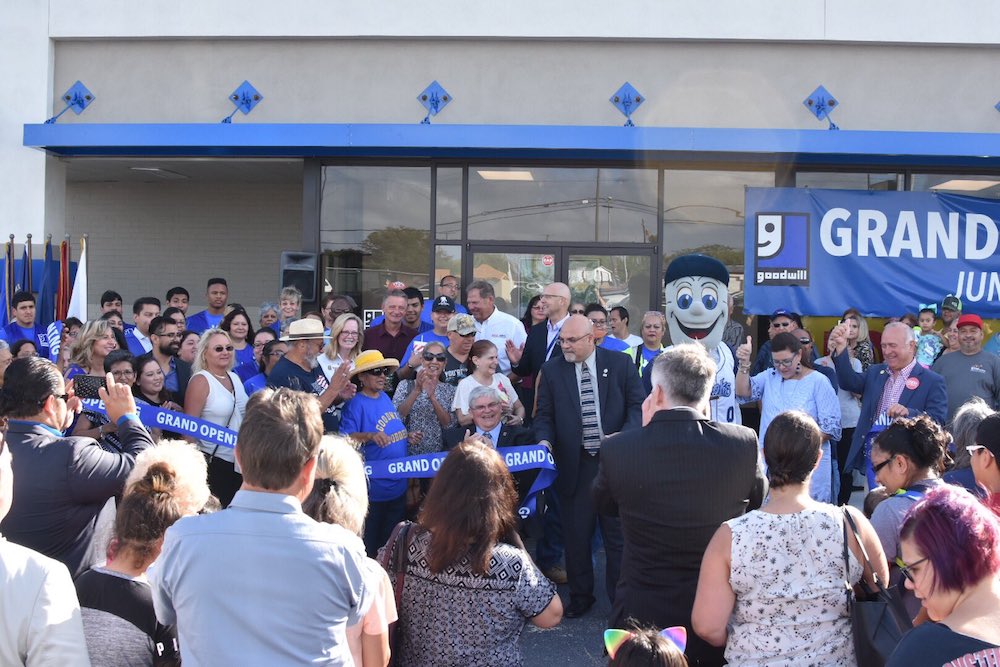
[
  {"x": 848, "y": 181},
  {"x": 449, "y": 204},
  {"x": 562, "y": 204},
  {"x": 375, "y": 230},
  {"x": 987, "y": 187}
]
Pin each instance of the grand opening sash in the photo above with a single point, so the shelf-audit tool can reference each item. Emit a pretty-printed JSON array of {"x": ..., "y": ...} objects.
[{"x": 518, "y": 459}]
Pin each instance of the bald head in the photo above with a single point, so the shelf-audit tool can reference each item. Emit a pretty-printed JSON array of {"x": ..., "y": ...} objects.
[
  {"x": 577, "y": 338},
  {"x": 557, "y": 297}
]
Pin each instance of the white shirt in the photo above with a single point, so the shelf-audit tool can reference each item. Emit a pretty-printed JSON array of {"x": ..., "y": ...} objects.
[
  {"x": 498, "y": 328},
  {"x": 631, "y": 339},
  {"x": 551, "y": 333},
  {"x": 143, "y": 339},
  {"x": 40, "y": 622},
  {"x": 591, "y": 362}
]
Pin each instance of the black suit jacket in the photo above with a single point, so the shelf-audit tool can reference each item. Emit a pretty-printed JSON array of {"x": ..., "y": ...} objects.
[
  {"x": 535, "y": 348},
  {"x": 510, "y": 436},
  {"x": 673, "y": 482},
  {"x": 559, "y": 420},
  {"x": 60, "y": 487},
  {"x": 183, "y": 370}
]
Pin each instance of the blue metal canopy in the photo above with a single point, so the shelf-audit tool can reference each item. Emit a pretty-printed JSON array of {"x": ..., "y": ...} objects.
[{"x": 556, "y": 142}]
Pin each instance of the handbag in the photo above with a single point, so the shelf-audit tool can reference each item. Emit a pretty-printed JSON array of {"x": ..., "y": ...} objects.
[
  {"x": 878, "y": 618},
  {"x": 393, "y": 560}
]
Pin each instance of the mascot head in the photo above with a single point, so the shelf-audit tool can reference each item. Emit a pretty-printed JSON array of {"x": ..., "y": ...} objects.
[{"x": 696, "y": 288}]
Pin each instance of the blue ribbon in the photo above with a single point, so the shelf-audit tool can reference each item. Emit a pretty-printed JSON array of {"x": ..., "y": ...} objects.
[
  {"x": 518, "y": 459},
  {"x": 178, "y": 422}
]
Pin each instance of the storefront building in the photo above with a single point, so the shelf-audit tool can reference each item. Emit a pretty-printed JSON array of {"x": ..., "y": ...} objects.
[{"x": 526, "y": 174}]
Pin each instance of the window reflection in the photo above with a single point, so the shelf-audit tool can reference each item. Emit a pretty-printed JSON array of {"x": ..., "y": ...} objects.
[
  {"x": 959, "y": 184},
  {"x": 449, "y": 204},
  {"x": 375, "y": 230},
  {"x": 562, "y": 204},
  {"x": 848, "y": 181}
]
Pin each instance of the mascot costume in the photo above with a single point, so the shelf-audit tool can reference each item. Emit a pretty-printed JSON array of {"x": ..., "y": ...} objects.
[{"x": 696, "y": 288}]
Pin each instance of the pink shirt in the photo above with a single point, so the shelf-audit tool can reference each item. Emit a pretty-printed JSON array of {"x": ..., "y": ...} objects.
[{"x": 380, "y": 614}]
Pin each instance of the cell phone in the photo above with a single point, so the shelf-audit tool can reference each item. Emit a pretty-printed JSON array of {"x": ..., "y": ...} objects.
[{"x": 86, "y": 386}]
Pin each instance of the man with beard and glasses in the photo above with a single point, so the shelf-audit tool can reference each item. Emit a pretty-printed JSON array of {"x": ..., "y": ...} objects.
[
  {"x": 298, "y": 370},
  {"x": 165, "y": 336}
]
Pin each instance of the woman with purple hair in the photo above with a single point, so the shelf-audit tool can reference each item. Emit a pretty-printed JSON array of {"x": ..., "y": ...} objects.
[{"x": 950, "y": 558}]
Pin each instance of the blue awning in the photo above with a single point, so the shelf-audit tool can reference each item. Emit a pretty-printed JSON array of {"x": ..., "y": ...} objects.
[{"x": 555, "y": 142}]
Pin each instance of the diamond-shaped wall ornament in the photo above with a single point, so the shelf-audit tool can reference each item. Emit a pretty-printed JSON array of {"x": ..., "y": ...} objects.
[
  {"x": 627, "y": 99},
  {"x": 434, "y": 98},
  {"x": 997, "y": 106},
  {"x": 821, "y": 104},
  {"x": 245, "y": 98},
  {"x": 77, "y": 98}
]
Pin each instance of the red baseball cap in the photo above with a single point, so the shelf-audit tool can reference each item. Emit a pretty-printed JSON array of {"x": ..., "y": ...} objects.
[{"x": 970, "y": 320}]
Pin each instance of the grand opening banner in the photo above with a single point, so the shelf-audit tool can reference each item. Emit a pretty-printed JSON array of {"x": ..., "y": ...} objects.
[{"x": 819, "y": 252}]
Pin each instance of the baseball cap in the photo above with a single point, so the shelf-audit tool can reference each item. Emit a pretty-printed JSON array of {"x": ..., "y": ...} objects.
[
  {"x": 463, "y": 324},
  {"x": 784, "y": 312},
  {"x": 951, "y": 302},
  {"x": 988, "y": 434},
  {"x": 445, "y": 303},
  {"x": 971, "y": 320}
]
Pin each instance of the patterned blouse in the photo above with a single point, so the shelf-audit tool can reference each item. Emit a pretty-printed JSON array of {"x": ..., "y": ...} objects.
[
  {"x": 788, "y": 574},
  {"x": 457, "y": 617},
  {"x": 422, "y": 417}
]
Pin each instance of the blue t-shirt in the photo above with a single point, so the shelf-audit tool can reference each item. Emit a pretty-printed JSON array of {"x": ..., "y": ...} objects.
[
  {"x": 993, "y": 344},
  {"x": 425, "y": 337},
  {"x": 363, "y": 413},
  {"x": 612, "y": 343},
  {"x": 287, "y": 373},
  {"x": 203, "y": 321},
  {"x": 14, "y": 332}
]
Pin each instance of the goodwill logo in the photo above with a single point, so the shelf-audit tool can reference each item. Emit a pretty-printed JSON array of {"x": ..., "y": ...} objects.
[{"x": 781, "y": 255}]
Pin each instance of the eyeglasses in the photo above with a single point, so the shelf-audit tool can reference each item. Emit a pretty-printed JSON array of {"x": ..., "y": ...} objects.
[
  {"x": 430, "y": 356},
  {"x": 805, "y": 341},
  {"x": 600, "y": 324},
  {"x": 450, "y": 285},
  {"x": 64, "y": 397},
  {"x": 576, "y": 311},
  {"x": 783, "y": 363},
  {"x": 276, "y": 353},
  {"x": 552, "y": 296},
  {"x": 176, "y": 334},
  {"x": 488, "y": 406},
  {"x": 218, "y": 349},
  {"x": 468, "y": 335},
  {"x": 349, "y": 334},
  {"x": 123, "y": 374},
  {"x": 380, "y": 372},
  {"x": 572, "y": 341},
  {"x": 876, "y": 468},
  {"x": 905, "y": 569}
]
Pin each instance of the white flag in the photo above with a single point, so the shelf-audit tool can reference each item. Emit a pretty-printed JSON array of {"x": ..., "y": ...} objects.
[{"x": 78, "y": 297}]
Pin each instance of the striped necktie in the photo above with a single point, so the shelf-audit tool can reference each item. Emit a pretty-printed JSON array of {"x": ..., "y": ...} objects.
[{"x": 588, "y": 410}]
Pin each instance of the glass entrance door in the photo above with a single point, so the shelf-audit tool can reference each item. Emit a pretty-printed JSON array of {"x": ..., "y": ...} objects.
[{"x": 611, "y": 276}]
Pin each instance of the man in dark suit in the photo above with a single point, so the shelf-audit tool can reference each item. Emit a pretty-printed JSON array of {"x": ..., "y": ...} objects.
[
  {"x": 673, "y": 482},
  {"x": 487, "y": 412},
  {"x": 587, "y": 395},
  {"x": 165, "y": 336},
  {"x": 542, "y": 342},
  {"x": 900, "y": 387}
]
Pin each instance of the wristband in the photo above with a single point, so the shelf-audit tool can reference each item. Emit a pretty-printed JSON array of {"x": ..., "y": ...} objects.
[{"x": 129, "y": 415}]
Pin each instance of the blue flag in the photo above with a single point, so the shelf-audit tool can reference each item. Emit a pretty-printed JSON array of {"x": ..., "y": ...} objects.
[
  {"x": 24, "y": 276},
  {"x": 47, "y": 290},
  {"x": 7, "y": 286}
]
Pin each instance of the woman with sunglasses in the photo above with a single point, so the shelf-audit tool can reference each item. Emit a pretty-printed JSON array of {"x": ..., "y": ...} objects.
[
  {"x": 424, "y": 402},
  {"x": 950, "y": 559},
  {"x": 771, "y": 587},
  {"x": 906, "y": 458},
  {"x": 370, "y": 418},
  {"x": 483, "y": 364},
  {"x": 216, "y": 394},
  {"x": 792, "y": 385}
]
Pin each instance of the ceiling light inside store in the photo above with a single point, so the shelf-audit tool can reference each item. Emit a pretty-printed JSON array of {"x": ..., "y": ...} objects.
[
  {"x": 165, "y": 174},
  {"x": 505, "y": 175},
  {"x": 965, "y": 186}
]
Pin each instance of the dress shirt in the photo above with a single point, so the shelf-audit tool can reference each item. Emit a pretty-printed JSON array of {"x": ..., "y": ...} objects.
[
  {"x": 894, "y": 386},
  {"x": 261, "y": 584},
  {"x": 551, "y": 335},
  {"x": 498, "y": 328},
  {"x": 591, "y": 362},
  {"x": 494, "y": 434}
]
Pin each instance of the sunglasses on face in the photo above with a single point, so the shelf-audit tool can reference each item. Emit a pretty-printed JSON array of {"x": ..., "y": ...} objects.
[
  {"x": 380, "y": 372},
  {"x": 876, "y": 468},
  {"x": 218, "y": 349},
  {"x": 430, "y": 356},
  {"x": 805, "y": 341},
  {"x": 906, "y": 570},
  {"x": 576, "y": 312}
]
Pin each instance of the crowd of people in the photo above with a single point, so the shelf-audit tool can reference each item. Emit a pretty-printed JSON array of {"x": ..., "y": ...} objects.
[{"x": 723, "y": 544}]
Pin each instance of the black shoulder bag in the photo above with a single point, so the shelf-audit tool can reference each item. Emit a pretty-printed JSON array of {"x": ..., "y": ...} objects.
[{"x": 878, "y": 618}]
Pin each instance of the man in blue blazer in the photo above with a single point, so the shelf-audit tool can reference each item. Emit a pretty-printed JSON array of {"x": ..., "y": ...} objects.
[
  {"x": 559, "y": 424},
  {"x": 900, "y": 387}
]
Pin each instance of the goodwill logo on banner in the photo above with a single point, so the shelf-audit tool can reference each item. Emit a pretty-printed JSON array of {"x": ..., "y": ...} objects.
[{"x": 820, "y": 252}]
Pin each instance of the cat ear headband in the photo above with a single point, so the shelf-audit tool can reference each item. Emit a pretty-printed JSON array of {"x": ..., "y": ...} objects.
[{"x": 613, "y": 639}]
